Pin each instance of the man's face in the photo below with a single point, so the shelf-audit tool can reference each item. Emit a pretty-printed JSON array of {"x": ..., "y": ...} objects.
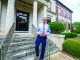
[{"x": 44, "y": 20}]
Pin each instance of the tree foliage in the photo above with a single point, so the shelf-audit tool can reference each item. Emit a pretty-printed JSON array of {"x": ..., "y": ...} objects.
[
  {"x": 57, "y": 27},
  {"x": 76, "y": 27}
]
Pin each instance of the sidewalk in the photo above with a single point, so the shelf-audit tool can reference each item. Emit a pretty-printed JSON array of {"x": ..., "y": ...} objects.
[{"x": 60, "y": 56}]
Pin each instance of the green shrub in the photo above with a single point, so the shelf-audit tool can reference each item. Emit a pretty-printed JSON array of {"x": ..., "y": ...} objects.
[
  {"x": 72, "y": 47},
  {"x": 76, "y": 27},
  {"x": 69, "y": 34},
  {"x": 57, "y": 27}
]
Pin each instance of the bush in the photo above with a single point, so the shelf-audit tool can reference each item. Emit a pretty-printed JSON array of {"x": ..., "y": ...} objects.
[
  {"x": 57, "y": 27},
  {"x": 69, "y": 34},
  {"x": 72, "y": 47},
  {"x": 76, "y": 27}
]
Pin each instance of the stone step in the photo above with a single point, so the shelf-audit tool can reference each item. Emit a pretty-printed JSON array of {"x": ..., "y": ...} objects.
[
  {"x": 13, "y": 38},
  {"x": 17, "y": 57},
  {"x": 23, "y": 33},
  {"x": 21, "y": 53},
  {"x": 24, "y": 54},
  {"x": 28, "y": 35},
  {"x": 22, "y": 39},
  {"x": 23, "y": 36},
  {"x": 24, "y": 47},
  {"x": 16, "y": 50},
  {"x": 20, "y": 43},
  {"x": 1, "y": 41},
  {"x": 31, "y": 57}
]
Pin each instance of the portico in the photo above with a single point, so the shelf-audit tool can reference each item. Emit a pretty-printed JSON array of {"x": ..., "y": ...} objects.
[{"x": 22, "y": 13}]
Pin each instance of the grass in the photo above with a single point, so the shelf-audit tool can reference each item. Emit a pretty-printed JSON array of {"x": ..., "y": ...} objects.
[{"x": 78, "y": 34}]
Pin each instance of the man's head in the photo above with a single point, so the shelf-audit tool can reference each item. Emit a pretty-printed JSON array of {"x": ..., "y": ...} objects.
[{"x": 44, "y": 20}]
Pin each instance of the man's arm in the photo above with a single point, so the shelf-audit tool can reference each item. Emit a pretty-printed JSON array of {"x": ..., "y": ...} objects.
[
  {"x": 38, "y": 30},
  {"x": 48, "y": 31}
]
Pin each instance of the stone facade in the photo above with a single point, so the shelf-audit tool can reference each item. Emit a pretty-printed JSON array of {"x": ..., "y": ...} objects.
[
  {"x": 36, "y": 9},
  {"x": 65, "y": 16}
]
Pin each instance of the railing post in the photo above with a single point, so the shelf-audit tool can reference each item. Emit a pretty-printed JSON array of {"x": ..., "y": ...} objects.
[
  {"x": 49, "y": 52},
  {"x": 0, "y": 54}
]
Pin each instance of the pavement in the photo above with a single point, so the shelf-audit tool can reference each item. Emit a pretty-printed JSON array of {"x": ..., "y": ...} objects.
[{"x": 60, "y": 56}]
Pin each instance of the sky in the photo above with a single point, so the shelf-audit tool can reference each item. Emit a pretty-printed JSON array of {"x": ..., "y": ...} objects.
[{"x": 74, "y": 5}]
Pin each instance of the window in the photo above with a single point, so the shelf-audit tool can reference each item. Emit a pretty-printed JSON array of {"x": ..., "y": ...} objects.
[
  {"x": 69, "y": 26},
  {"x": 53, "y": 7},
  {"x": 62, "y": 13},
  {"x": 59, "y": 10},
  {"x": 70, "y": 17},
  {"x": 49, "y": 19},
  {"x": 49, "y": 6},
  {"x": 65, "y": 14}
]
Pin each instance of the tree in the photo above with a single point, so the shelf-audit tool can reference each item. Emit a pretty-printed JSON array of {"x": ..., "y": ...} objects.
[{"x": 76, "y": 27}]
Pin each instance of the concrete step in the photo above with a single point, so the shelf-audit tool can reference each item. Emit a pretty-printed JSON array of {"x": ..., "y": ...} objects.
[
  {"x": 31, "y": 57},
  {"x": 22, "y": 39},
  {"x": 1, "y": 41},
  {"x": 17, "y": 50},
  {"x": 23, "y": 35},
  {"x": 21, "y": 53},
  {"x": 20, "y": 43},
  {"x": 24, "y": 47}
]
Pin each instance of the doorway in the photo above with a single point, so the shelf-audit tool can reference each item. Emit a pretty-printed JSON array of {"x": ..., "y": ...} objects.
[{"x": 22, "y": 21}]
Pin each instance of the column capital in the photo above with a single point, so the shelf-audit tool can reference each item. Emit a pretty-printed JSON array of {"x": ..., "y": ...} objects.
[{"x": 43, "y": 2}]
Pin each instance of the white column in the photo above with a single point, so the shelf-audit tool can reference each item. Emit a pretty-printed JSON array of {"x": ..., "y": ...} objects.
[
  {"x": 0, "y": 9},
  {"x": 45, "y": 11},
  {"x": 10, "y": 18},
  {"x": 0, "y": 15},
  {"x": 35, "y": 4},
  {"x": 3, "y": 15}
]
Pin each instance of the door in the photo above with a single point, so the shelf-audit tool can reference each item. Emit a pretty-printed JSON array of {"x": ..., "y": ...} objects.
[{"x": 22, "y": 21}]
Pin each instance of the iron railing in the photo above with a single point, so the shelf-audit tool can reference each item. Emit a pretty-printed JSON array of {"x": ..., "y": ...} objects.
[{"x": 6, "y": 43}]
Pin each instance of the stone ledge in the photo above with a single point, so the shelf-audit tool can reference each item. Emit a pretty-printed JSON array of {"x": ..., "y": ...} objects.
[
  {"x": 56, "y": 35},
  {"x": 57, "y": 40}
]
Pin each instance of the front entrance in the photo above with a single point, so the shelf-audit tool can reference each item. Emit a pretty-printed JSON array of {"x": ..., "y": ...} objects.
[{"x": 22, "y": 21}]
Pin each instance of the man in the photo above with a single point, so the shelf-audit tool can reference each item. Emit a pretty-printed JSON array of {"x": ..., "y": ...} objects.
[{"x": 43, "y": 30}]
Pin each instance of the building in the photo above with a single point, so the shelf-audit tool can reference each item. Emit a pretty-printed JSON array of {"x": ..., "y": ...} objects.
[
  {"x": 25, "y": 14},
  {"x": 57, "y": 11},
  {"x": 65, "y": 15}
]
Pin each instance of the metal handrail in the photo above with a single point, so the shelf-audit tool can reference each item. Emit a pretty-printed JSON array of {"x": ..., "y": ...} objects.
[
  {"x": 48, "y": 51},
  {"x": 5, "y": 44}
]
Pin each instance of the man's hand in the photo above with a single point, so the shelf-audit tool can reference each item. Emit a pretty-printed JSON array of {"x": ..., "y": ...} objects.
[{"x": 42, "y": 34}]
